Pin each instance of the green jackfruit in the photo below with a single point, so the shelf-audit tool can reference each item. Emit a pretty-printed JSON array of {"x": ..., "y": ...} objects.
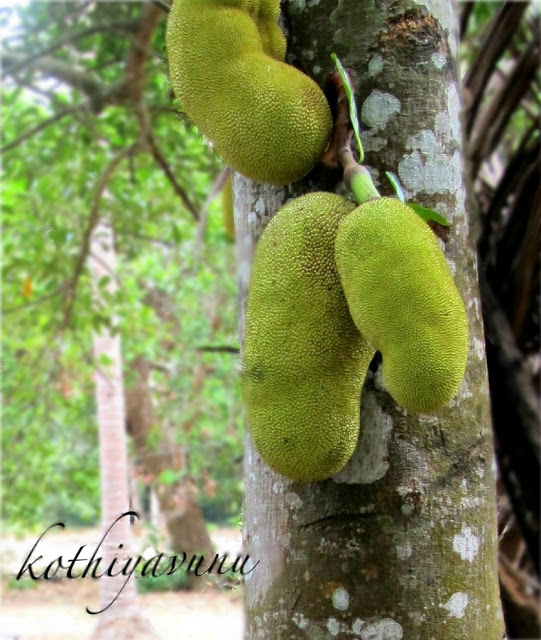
[
  {"x": 304, "y": 361},
  {"x": 403, "y": 299},
  {"x": 266, "y": 119}
]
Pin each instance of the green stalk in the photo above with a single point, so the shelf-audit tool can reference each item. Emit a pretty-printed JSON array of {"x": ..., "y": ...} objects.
[{"x": 359, "y": 181}]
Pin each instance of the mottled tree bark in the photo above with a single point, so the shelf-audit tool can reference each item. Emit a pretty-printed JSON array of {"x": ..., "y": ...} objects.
[{"x": 402, "y": 543}]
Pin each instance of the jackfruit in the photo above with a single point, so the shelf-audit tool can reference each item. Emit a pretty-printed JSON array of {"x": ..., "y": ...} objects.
[
  {"x": 228, "y": 214},
  {"x": 402, "y": 297},
  {"x": 266, "y": 119},
  {"x": 304, "y": 361}
]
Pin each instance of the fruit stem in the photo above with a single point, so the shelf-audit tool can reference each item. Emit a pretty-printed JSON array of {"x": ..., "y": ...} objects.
[
  {"x": 359, "y": 181},
  {"x": 339, "y": 153}
]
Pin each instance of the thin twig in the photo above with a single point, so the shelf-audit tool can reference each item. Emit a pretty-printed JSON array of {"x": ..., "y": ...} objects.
[
  {"x": 107, "y": 267},
  {"x": 148, "y": 135},
  {"x": 40, "y": 127},
  {"x": 36, "y": 301},
  {"x": 219, "y": 349},
  {"x": 93, "y": 219},
  {"x": 216, "y": 188},
  {"x": 124, "y": 25},
  {"x": 134, "y": 79},
  {"x": 146, "y": 237}
]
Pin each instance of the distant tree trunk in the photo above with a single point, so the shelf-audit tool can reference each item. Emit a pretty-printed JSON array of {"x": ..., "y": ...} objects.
[
  {"x": 178, "y": 501},
  {"x": 121, "y": 620},
  {"x": 403, "y": 542}
]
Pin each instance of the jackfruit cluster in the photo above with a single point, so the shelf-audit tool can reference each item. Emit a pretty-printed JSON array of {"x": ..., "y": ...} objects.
[
  {"x": 331, "y": 284},
  {"x": 304, "y": 361},
  {"x": 267, "y": 119},
  {"x": 402, "y": 297}
]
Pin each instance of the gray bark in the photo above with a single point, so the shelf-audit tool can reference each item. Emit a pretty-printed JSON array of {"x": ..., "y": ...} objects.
[{"x": 403, "y": 542}]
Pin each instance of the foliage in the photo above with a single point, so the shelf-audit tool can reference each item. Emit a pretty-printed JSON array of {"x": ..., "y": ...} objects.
[
  {"x": 25, "y": 584},
  {"x": 149, "y": 584},
  {"x": 50, "y": 188}
]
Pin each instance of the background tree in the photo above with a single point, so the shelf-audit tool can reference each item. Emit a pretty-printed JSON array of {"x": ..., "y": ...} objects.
[
  {"x": 120, "y": 616},
  {"x": 87, "y": 75},
  {"x": 502, "y": 98}
]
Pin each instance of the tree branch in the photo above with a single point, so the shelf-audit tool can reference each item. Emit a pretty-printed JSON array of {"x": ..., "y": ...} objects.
[
  {"x": 134, "y": 83},
  {"x": 464, "y": 17},
  {"x": 67, "y": 73},
  {"x": 218, "y": 349},
  {"x": 516, "y": 417},
  {"x": 498, "y": 36},
  {"x": 131, "y": 86},
  {"x": 93, "y": 219},
  {"x": 36, "y": 301},
  {"x": 18, "y": 65},
  {"x": 134, "y": 75},
  {"x": 521, "y": 605},
  {"x": 491, "y": 121},
  {"x": 148, "y": 136},
  {"x": 43, "y": 125}
]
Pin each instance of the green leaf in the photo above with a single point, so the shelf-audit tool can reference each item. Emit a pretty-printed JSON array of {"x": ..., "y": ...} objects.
[
  {"x": 395, "y": 182},
  {"x": 352, "y": 106},
  {"x": 58, "y": 236},
  {"x": 423, "y": 212},
  {"x": 104, "y": 281},
  {"x": 177, "y": 234},
  {"x": 428, "y": 214},
  {"x": 169, "y": 477}
]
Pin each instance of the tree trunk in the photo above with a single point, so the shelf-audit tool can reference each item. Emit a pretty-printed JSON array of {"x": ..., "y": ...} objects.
[
  {"x": 120, "y": 617},
  {"x": 178, "y": 501},
  {"x": 402, "y": 543}
]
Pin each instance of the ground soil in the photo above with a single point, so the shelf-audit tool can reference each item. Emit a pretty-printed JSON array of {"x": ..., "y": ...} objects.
[{"x": 56, "y": 608}]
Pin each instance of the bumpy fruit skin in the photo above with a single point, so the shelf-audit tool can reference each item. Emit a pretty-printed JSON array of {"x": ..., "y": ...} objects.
[
  {"x": 266, "y": 119},
  {"x": 304, "y": 361},
  {"x": 403, "y": 299}
]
